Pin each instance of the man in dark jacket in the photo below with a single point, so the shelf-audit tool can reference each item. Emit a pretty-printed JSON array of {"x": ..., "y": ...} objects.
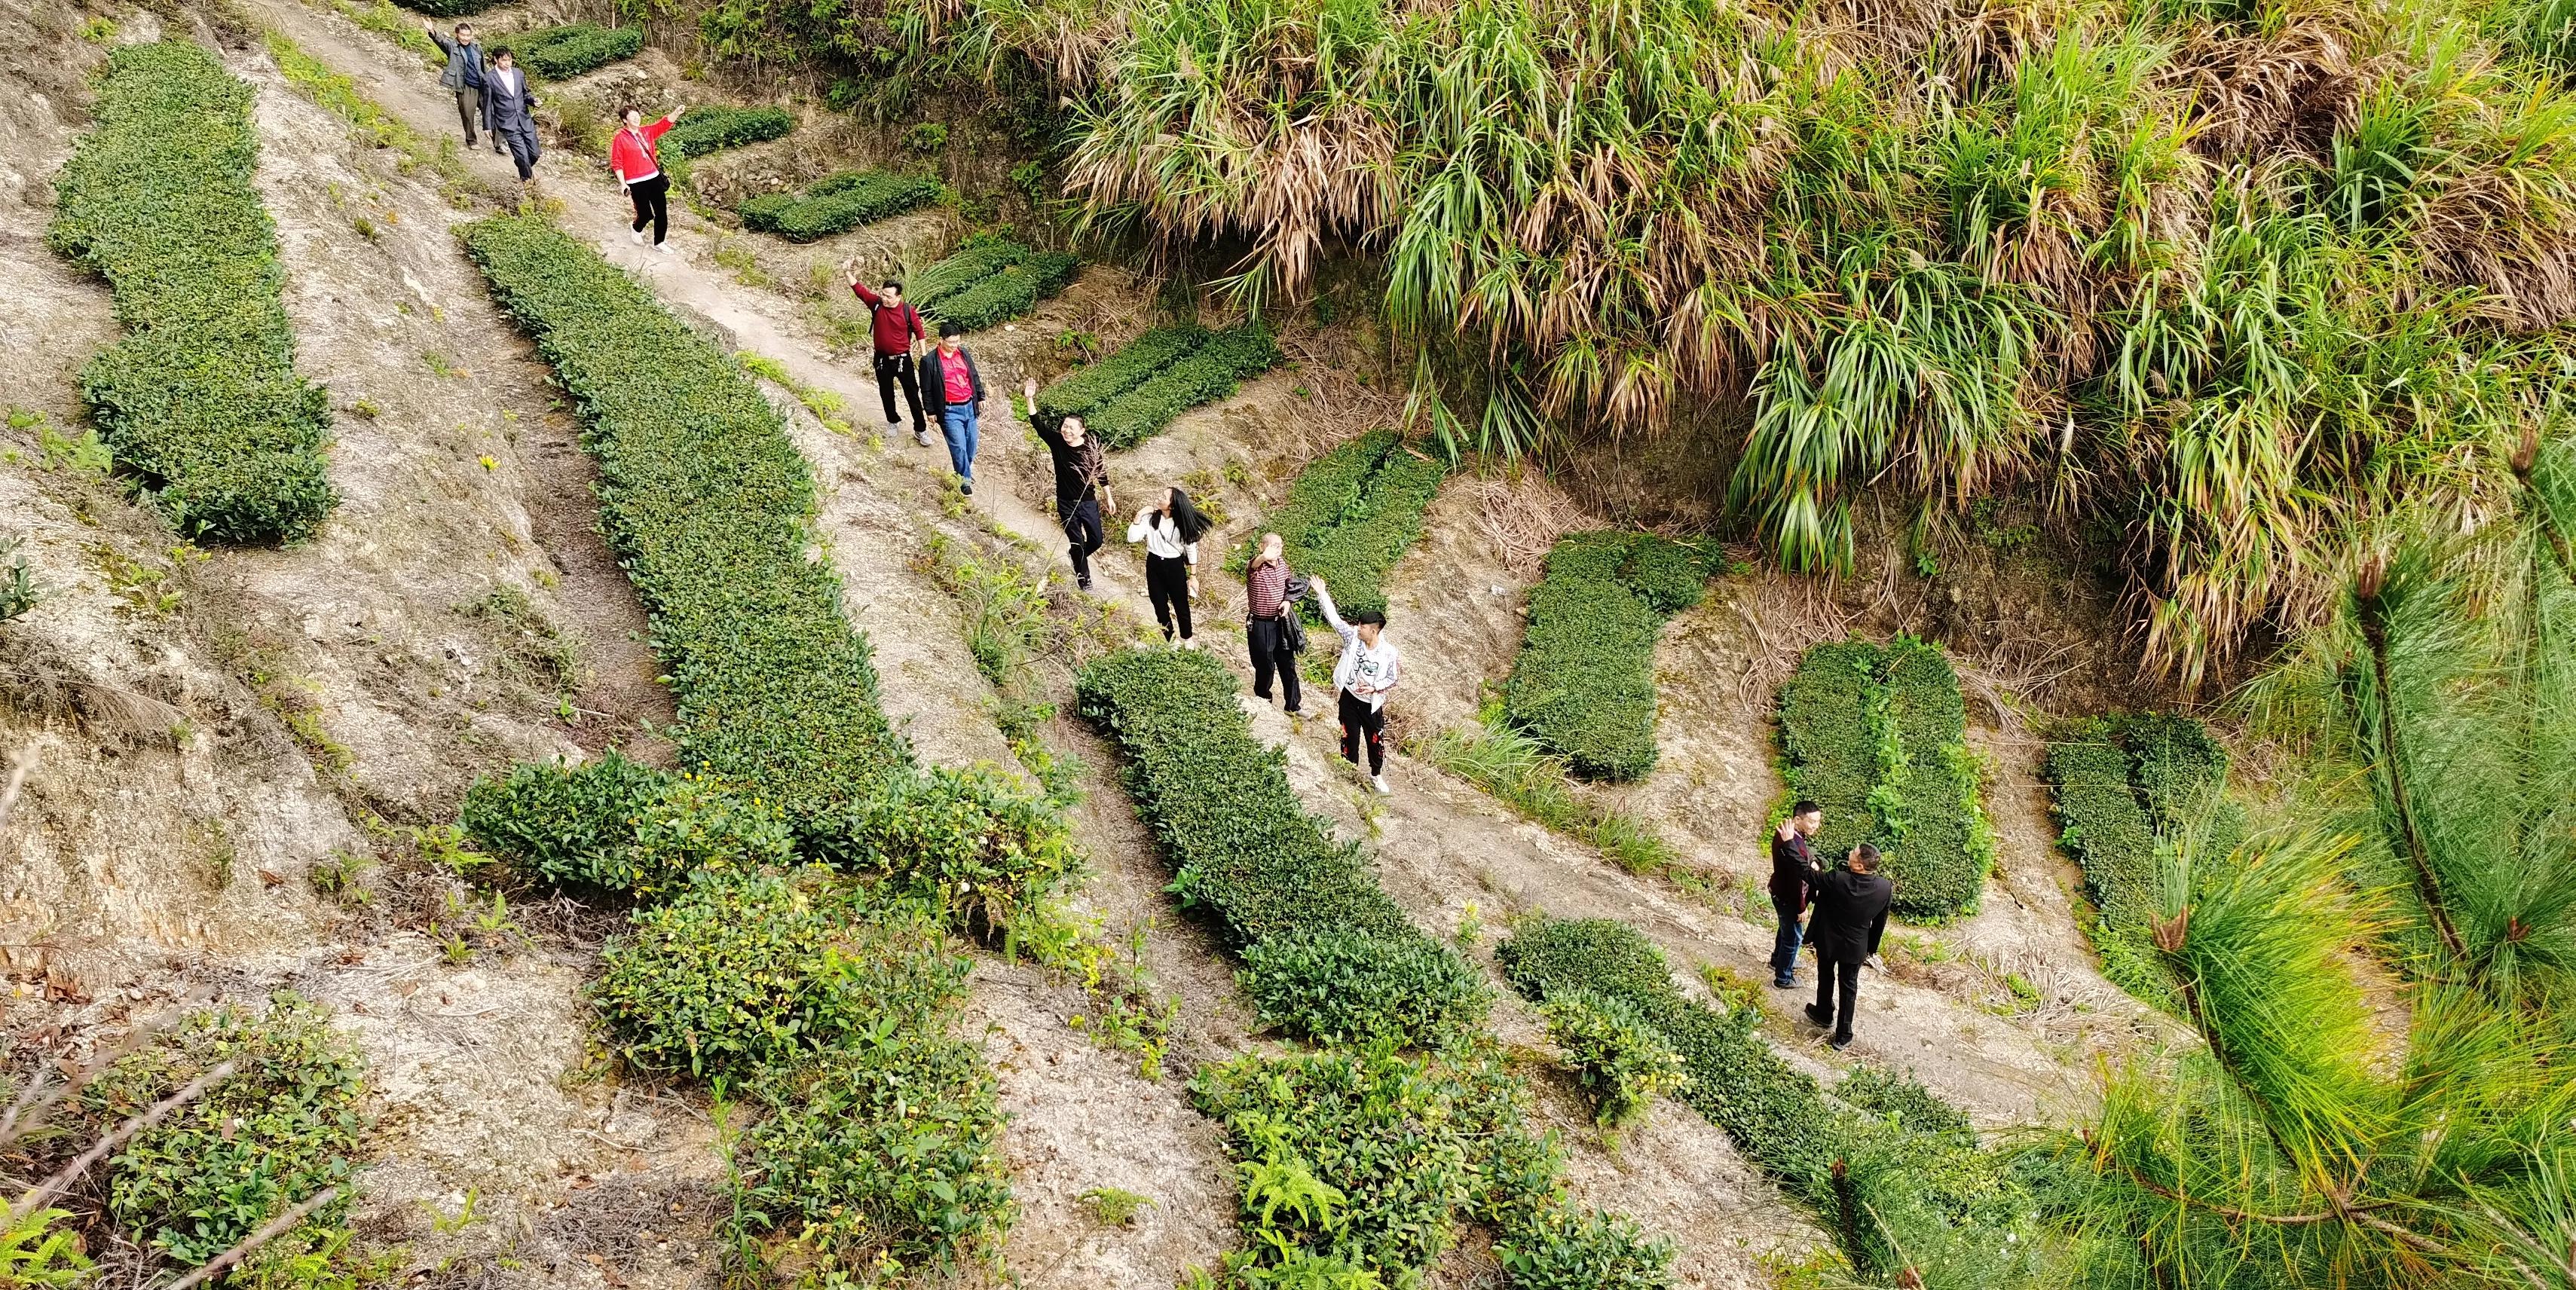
[
  {"x": 507, "y": 101},
  {"x": 1851, "y": 914},
  {"x": 463, "y": 77},
  {"x": 952, "y": 390},
  {"x": 1793, "y": 878}
]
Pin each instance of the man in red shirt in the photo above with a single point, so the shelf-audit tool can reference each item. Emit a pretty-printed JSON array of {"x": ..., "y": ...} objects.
[{"x": 896, "y": 332}]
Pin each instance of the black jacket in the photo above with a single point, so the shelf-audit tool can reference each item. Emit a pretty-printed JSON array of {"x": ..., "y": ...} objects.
[
  {"x": 1079, "y": 472},
  {"x": 1851, "y": 914},
  {"x": 934, "y": 379},
  {"x": 1793, "y": 872},
  {"x": 508, "y": 113}
]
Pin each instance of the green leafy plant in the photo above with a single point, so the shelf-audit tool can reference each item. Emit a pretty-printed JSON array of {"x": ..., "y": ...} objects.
[
  {"x": 1245, "y": 852},
  {"x": 562, "y": 53},
  {"x": 201, "y": 398},
  {"x": 18, "y": 592},
  {"x": 989, "y": 281},
  {"x": 1089, "y": 388},
  {"x": 285, "y": 1125},
  {"x": 837, "y": 204},
  {"x": 1115, "y": 1206},
  {"x": 706, "y": 500},
  {"x": 565, "y": 824},
  {"x": 2120, "y": 811},
  {"x": 742, "y": 972},
  {"x": 1584, "y": 684},
  {"x": 713, "y": 128},
  {"x": 926, "y": 137},
  {"x": 962, "y": 841},
  {"x": 1620, "y": 1060},
  {"x": 1876, "y": 735},
  {"x": 1352, "y": 513},
  {"x": 1206, "y": 374}
]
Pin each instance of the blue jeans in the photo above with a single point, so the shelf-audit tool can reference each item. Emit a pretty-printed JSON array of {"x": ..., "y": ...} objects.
[
  {"x": 1784, "y": 949},
  {"x": 958, "y": 419}
]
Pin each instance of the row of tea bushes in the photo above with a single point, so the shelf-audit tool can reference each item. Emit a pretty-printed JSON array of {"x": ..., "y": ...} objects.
[
  {"x": 837, "y": 204},
  {"x": 562, "y": 53},
  {"x": 1584, "y": 684},
  {"x": 1877, "y": 736},
  {"x": 713, "y": 128},
  {"x": 1133, "y": 394},
  {"x": 200, "y": 399},
  {"x": 989, "y": 281},
  {"x": 2128, "y": 790},
  {"x": 1351, "y": 515},
  {"x": 807, "y": 871},
  {"x": 1401, "y": 1147}
]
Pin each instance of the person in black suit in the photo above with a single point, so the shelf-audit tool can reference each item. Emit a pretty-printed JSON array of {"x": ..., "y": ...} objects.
[
  {"x": 1851, "y": 914},
  {"x": 1793, "y": 878}
]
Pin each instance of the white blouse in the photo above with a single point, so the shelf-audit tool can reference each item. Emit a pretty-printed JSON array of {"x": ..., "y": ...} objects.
[{"x": 1161, "y": 536}]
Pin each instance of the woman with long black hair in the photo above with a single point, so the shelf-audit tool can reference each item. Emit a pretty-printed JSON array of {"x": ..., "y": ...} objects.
[{"x": 1171, "y": 533}]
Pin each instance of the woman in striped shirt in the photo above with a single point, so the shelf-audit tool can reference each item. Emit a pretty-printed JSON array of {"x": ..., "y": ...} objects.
[{"x": 1266, "y": 587}]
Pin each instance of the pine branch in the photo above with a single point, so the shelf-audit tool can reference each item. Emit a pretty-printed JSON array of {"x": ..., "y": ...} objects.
[{"x": 2374, "y": 630}]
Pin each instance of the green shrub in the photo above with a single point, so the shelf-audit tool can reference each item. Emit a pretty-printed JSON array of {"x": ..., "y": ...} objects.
[
  {"x": 975, "y": 259},
  {"x": 1618, "y": 1057},
  {"x": 1939, "y": 846},
  {"x": 449, "y": 8},
  {"x": 281, "y": 1128},
  {"x": 1335, "y": 986},
  {"x": 1008, "y": 292},
  {"x": 1244, "y": 851},
  {"x": 1824, "y": 729},
  {"x": 2127, "y": 791},
  {"x": 696, "y": 825},
  {"x": 1351, "y": 515},
  {"x": 746, "y": 971},
  {"x": 1567, "y": 1249},
  {"x": 561, "y": 53},
  {"x": 1136, "y": 362},
  {"x": 1205, "y": 374},
  {"x": 962, "y": 841},
  {"x": 564, "y": 825},
  {"x": 1584, "y": 684},
  {"x": 200, "y": 399},
  {"x": 837, "y": 204},
  {"x": 714, "y": 128},
  {"x": 706, "y": 502},
  {"x": 882, "y": 1157}
]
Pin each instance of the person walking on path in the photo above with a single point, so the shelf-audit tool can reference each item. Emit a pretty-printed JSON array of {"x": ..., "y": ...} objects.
[
  {"x": 1081, "y": 483},
  {"x": 633, "y": 155},
  {"x": 1851, "y": 915},
  {"x": 507, "y": 112},
  {"x": 463, "y": 77},
  {"x": 1793, "y": 878},
  {"x": 954, "y": 390},
  {"x": 1268, "y": 628},
  {"x": 1171, "y": 533},
  {"x": 1369, "y": 668},
  {"x": 896, "y": 333}
]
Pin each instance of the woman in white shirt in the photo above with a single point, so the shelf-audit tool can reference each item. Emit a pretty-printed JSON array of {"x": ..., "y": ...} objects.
[
  {"x": 1369, "y": 668},
  {"x": 1171, "y": 533}
]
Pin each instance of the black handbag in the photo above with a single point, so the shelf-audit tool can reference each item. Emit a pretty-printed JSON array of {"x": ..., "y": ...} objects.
[{"x": 1289, "y": 618}]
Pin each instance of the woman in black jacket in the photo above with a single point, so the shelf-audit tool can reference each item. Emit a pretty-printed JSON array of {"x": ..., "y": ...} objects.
[
  {"x": 1081, "y": 482},
  {"x": 952, "y": 390}
]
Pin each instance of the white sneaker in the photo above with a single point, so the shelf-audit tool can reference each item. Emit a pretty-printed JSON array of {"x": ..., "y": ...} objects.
[
  {"x": 894, "y": 427},
  {"x": 921, "y": 437},
  {"x": 663, "y": 247},
  {"x": 1378, "y": 782},
  {"x": 639, "y": 237}
]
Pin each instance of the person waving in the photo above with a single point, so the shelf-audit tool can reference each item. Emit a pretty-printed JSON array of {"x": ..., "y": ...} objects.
[{"x": 1369, "y": 668}]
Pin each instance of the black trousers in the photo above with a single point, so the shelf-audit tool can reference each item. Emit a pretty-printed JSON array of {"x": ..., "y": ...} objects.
[
  {"x": 1360, "y": 722},
  {"x": 652, "y": 205},
  {"x": 1167, "y": 583},
  {"x": 523, "y": 151},
  {"x": 1827, "y": 974},
  {"x": 1083, "y": 535},
  {"x": 894, "y": 368},
  {"x": 1269, "y": 640}
]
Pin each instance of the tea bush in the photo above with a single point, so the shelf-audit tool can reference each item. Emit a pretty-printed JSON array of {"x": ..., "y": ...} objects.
[
  {"x": 714, "y": 128},
  {"x": 1244, "y": 851},
  {"x": 696, "y": 825},
  {"x": 1206, "y": 374},
  {"x": 449, "y": 8},
  {"x": 975, "y": 259},
  {"x": 1877, "y": 737},
  {"x": 564, "y": 825},
  {"x": 1087, "y": 389},
  {"x": 837, "y": 204},
  {"x": 882, "y": 1157},
  {"x": 989, "y": 281},
  {"x": 1584, "y": 684},
  {"x": 561, "y": 53},
  {"x": 1351, "y": 515},
  {"x": 2128, "y": 790},
  {"x": 741, "y": 972},
  {"x": 1569, "y": 1249},
  {"x": 200, "y": 399},
  {"x": 281, "y": 1128},
  {"x": 1618, "y": 1057},
  {"x": 1336, "y": 986},
  {"x": 961, "y": 841},
  {"x": 706, "y": 502}
]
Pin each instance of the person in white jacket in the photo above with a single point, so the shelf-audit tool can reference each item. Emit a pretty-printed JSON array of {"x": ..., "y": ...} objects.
[
  {"x": 1369, "y": 668},
  {"x": 1171, "y": 531}
]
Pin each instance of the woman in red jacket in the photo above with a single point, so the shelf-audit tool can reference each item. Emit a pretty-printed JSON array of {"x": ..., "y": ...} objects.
[{"x": 639, "y": 172}]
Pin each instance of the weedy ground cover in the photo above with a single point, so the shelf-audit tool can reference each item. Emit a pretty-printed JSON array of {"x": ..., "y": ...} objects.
[{"x": 200, "y": 399}]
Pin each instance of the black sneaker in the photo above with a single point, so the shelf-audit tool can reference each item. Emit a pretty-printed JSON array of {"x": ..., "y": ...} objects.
[
  {"x": 1819, "y": 1015},
  {"x": 1784, "y": 983},
  {"x": 1083, "y": 583},
  {"x": 967, "y": 487},
  {"x": 1839, "y": 1042}
]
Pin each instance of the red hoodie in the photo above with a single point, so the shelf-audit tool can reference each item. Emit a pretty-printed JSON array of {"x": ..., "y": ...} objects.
[
  {"x": 631, "y": 153},
  {"x": 891, "y": 326}
]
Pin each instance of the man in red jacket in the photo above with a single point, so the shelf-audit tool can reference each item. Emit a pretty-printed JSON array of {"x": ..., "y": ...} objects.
[{"x": 897, "y": 333}]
